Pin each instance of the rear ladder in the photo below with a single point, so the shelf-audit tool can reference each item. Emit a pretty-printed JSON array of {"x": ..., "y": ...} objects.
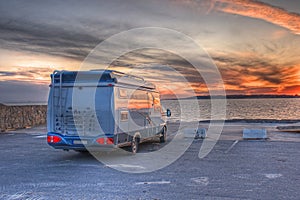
[{"x": 61, "y": 101}]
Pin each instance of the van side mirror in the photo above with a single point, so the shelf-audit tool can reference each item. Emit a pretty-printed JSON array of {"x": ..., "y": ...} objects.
[
  {"x": 168, "y": 113},
  {"x": 115, "y": 80}
]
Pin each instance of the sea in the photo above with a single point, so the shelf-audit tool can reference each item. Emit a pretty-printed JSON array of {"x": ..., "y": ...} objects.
[{"x": 235, "y": 109}]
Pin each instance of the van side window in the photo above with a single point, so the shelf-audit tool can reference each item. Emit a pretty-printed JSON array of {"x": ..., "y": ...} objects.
[
  {"x": 139, "y": 100},
  {"x": 139, "y": 95},
  {"x": 123, "y": 93},
  {"x": 124, "y": 115}
]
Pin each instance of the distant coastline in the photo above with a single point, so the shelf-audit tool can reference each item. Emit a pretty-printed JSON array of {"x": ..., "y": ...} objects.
[
  {"x": 23, "y": 103},
  {"x": 239, "y": 97},
  {"x": 198, "y": 97}
]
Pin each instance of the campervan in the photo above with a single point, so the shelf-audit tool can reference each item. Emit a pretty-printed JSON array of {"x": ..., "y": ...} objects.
[{"x": 102, "y": 109}]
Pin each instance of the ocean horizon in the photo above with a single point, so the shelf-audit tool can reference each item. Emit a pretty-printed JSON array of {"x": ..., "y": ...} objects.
[{"x": 260, "y": 108}]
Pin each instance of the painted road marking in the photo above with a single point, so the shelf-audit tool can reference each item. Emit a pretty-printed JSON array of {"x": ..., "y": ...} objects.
[
  {"x": 126, "y": 166},
  {"x": 153, "y": 182},
  {"x": 40, "y": 136},
  {"x": 272, "y": 176},
  {"x": 235, "y": 142},
  {"x": 201, "y": 180}
]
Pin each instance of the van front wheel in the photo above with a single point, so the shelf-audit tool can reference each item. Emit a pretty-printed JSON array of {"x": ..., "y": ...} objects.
[
  {"x": 134, "y": 145},
  {"x": 163, "y": 137}
]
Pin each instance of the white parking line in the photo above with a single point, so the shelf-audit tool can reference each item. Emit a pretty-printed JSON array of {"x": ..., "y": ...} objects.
[
  {"x": 125, "y": 166},
  {"x": 201, "y": 180},
  {"x": 153, "y": 182},
  {"x": 40, "y": 136},
  {"x": 272, "y": 176},
  {"x": 235, "y": 142}
]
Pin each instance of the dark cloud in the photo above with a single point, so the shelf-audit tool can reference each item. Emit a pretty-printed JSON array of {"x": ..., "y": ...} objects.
[
  {"x": 27, "y": 74},
  {"x": 157, "y": 61},
  {"x": 22, "y": 92},
  {"x": 70, "y": 28},
  {"x": 47, "y": 39}
]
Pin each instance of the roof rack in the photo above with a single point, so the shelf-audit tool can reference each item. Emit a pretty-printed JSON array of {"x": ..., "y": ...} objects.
[{"x": 58, "y": 77}]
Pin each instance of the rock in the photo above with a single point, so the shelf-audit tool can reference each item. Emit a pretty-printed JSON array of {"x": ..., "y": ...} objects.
[{"x": 14, "y": 117}]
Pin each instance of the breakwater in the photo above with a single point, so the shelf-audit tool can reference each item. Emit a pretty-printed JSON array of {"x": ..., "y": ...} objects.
[{"x": 16, "y": 117}]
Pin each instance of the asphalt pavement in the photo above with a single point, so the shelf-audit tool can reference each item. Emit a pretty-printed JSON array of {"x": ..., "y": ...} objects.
[{"x": 234, "y": 169}]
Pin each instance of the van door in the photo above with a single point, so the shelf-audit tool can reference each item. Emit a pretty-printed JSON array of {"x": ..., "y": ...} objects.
[
  {"x": 150, "y": 122},
  {"x": 121, "y": 110},
  {"x": 123, "y": 120}
]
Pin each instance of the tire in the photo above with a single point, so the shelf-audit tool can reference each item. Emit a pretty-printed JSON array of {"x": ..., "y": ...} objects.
[
  {"x": 163, "y": 137},
  {"x": 82, "y": 151},
  {"x": 135, "y": 145}
]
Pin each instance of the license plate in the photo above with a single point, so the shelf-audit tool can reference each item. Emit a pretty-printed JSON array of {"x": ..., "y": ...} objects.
[{"x": 79, "y": 142}]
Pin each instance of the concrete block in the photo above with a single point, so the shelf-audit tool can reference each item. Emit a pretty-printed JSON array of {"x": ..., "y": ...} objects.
[
  {"x": 189, "y": 132},
  {"x": 254, "y": 134},
  {"x": 194, "y": 133}
]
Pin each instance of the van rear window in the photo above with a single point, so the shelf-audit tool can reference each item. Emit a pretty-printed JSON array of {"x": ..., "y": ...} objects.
[{"x": 70, "y": 77}]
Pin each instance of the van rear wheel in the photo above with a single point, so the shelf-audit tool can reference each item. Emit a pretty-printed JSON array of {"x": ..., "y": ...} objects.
[
  {"x": 81, "y": 151},
  {"x": 163, "y": 137},
  {"x": 135, "y": 145}
]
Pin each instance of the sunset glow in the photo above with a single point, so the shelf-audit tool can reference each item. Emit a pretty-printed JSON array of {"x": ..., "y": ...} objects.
[{"x": 254, "y": 44}]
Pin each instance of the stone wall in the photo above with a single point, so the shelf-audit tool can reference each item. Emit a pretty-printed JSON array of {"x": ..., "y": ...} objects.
[{"x": 15, "y": 117}]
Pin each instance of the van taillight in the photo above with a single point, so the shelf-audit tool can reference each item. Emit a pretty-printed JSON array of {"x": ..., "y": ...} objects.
[
  {"x": 100, "y": 140},
  {"x": 53, "y": 139},
  {"x": 110, "y": 141}
]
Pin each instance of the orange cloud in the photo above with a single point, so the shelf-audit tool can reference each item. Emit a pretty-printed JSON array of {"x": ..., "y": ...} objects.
[
  {"x": 254, "y": 9},
  {"x": 292, "y": 90},
  {"x": 263, "y": 11},
  {"x": 257, "y": 74}
]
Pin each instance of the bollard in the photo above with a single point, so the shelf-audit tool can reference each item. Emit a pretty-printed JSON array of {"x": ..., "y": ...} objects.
[
  {"x": 189, "y": 132},
  {"x": 201, "y": 133}
]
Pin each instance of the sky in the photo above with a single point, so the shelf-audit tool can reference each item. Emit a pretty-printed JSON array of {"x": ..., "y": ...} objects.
[{"x": 253, "y": 44}]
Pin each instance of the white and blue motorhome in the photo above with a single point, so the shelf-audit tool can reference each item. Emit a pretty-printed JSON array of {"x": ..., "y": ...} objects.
[{"x": 126, "y": 111}]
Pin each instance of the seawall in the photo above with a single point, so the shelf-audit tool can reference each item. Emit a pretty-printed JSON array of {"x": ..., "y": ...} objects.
[{"x": 15, "y": 117}]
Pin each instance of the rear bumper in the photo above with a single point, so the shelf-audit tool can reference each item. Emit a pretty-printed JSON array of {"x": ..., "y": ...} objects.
[{"x": 78, "y": 143}]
